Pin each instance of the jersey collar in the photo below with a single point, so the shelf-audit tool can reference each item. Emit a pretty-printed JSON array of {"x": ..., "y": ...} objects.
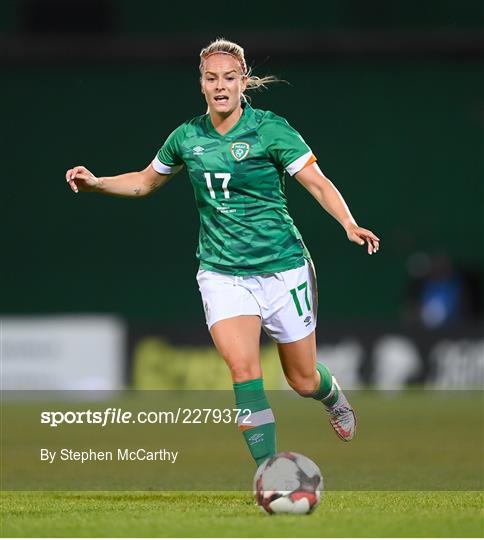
[{"x": 247, "y": 112}]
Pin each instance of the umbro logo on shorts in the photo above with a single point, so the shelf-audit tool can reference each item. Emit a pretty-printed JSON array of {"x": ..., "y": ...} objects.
[{"x": 307, "y": 320}]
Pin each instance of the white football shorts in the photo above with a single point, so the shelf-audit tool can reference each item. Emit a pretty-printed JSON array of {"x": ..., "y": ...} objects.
[{"x": 286, "y": 302}]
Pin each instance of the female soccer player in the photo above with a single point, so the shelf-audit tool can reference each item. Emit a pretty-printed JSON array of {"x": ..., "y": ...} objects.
[{"x": 254, "y": 268}]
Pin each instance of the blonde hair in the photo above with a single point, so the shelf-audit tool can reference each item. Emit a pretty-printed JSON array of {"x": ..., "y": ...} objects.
[{"x": 223, "y": 46}]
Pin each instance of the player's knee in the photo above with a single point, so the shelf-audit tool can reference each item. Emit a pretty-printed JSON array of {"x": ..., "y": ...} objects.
[
  {"x": 244, "y": 371},
  {"x": 244, "y": 374},
  {"x": 304, "y": 385}
]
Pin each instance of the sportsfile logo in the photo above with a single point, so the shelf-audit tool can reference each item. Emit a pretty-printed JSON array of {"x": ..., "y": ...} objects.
[{"x": 114, "y": 415}]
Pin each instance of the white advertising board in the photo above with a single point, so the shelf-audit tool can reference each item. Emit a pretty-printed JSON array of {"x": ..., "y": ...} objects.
[{"x": 62, "y": 353}]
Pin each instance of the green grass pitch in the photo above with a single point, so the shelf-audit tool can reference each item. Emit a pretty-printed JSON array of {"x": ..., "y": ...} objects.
[
  {"x": 415, "y": 470},
  {"x": 151, "y": 514}
]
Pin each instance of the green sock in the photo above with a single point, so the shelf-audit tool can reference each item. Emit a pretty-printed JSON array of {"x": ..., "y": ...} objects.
[
  {"x": 327, "y": 392},
  {"x": 258, "y": 426}
]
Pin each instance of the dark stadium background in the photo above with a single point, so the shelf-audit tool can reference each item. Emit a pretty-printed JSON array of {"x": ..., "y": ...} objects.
[
  {"x": 99, "y": 293},
  {"x": 387, "y": 94}
]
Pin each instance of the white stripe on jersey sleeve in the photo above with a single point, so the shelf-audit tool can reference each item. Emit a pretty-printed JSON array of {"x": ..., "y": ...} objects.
[
  {"x": 297, "y": 165},
  {"x": 161, "y": 167}
]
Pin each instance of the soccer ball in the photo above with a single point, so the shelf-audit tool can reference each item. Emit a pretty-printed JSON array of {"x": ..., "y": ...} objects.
[{"x": 288, "y": 483}]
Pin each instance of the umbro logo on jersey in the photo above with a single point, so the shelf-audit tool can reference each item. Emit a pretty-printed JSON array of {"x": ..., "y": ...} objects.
[
  {"x": 240, "y": 150},
  {"x": 198, "y": 150}
]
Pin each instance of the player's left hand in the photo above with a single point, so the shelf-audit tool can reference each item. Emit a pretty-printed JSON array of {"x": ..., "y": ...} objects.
[{"x": 360, "y": 236}]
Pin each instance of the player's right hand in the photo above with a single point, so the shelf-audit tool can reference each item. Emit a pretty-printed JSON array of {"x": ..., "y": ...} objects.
[{"x": 81, "y": 179}]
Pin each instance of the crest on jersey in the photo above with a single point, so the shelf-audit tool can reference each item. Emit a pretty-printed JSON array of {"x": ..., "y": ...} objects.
[{"x": 240, "y": 150}]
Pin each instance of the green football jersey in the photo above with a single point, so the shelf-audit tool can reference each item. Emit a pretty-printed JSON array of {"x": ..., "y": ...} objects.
[{"x": 238, "y": 180}]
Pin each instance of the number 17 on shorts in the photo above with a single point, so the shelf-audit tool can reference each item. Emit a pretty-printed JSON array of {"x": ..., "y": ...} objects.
[{"x": 294, "y": 317}]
